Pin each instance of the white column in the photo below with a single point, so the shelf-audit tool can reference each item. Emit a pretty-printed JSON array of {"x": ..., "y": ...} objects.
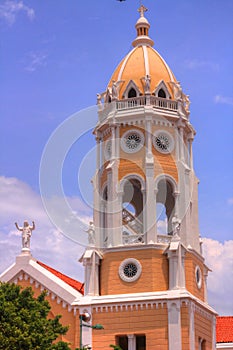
[
  {"x": 97, "y": 152},
  {"x": 114, "y": 209},
  {"x": 175, "y": 255},
  {"x": 97, "y": 199},
  {"x": 191, "y": 327},
  {"x": 131, "y": 342},
  {"x": 87, "y": 267},
  {"x": 117, "y": 141},
  {"x": 190, "y": 141},
  {"x": 176, "y": 211},
  {"x": 181, "y": 140},
  {"x": 174, "y": 325},
  {"x": 113, "y": 142},
  {"x": 109, "y": 208},
  {"x": 150, "y": 205},
  {"x": 173, "y": 269},
  {"x": 148, "y": 139},
  {"x": 177, "y": 145},
  {"x": 214, "y": 332},
  {"x": 102, "y": 223},
  {"x": 101, "y": 153}
]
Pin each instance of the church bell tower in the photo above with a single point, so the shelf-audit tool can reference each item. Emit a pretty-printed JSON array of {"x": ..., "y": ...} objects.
[{"x": 145, "y": 276}]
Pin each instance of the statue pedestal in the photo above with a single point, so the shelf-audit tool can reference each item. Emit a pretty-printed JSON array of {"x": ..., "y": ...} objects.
[{"x": 26, "y": 251}]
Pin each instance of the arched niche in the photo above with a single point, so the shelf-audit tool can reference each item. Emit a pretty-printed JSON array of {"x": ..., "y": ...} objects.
[
  {"x": 162, "y": 91},
  {"x": 131, "y": 90}
]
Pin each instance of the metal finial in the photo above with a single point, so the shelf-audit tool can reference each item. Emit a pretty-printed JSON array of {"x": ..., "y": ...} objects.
[{"x": 142, "y": 9}]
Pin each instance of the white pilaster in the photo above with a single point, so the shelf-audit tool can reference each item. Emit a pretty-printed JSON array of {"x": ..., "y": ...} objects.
[
  {"x": 190, "y": 141},
  {"x": 174, "y": 325},
  {"x": 181, "y": 140},
  {"x": 150, "y": 206},
  {"x": 176, "y": 253},
  {"x": 91, "y": 261},
  {"x": 191, "y": 327},
  {"x": 214, "y": 332}
]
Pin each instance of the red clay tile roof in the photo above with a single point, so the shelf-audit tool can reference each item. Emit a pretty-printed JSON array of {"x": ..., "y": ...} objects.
[
  {"x": 72, "y": 282},
  {"x": 224, "y": 329}
]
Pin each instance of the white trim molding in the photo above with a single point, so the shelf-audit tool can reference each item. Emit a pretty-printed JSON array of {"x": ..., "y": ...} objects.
[{"x": 222, "y": 346}]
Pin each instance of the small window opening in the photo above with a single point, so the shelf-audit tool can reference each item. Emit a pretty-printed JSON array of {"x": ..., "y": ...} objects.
[
  {"x": 140, "y": 342},
  {"x": 122, "y": 341},
  {"x": 161, "y": 93},
  {"x": 132, "y": 93}
]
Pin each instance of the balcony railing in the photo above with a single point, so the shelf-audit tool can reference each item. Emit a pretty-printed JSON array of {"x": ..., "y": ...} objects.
[{"x": 157, "y": 102}]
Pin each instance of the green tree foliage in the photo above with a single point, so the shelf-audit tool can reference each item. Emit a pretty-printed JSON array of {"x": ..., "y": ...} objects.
[
  {"x": 115, "y": 347},
  {"x": 23, "y": 321}
]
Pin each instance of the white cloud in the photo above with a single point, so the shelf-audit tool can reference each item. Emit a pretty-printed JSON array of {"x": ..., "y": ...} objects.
[
  {"x": 219, "y": 258},
  {"x": 223, "y": 99},
  {"x": 10, "y": 9},
  {"x": 19, "y": 203},
  {"x": 197, "y": 64},
  {"x": 230, "y": 201},
  {"x": 36, "y": 60}
]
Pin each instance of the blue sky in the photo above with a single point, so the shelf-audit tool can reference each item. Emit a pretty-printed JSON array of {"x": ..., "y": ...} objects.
[{"x": 55, "y": 57}]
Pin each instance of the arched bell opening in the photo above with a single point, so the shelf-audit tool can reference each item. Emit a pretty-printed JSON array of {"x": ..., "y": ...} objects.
[
  {"x": 161, "y": 219},
  {"x": 165, "y": 203},
  {"x": 129, "y": 207},
  {"x": 132, "y": 211}
]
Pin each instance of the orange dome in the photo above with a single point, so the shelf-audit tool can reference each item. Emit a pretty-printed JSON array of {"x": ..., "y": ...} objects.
[{"x": 141, "y": 62}]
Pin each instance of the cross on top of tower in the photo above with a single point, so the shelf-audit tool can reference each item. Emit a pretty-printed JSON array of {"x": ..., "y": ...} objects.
[{"x": 142, "y": 9}]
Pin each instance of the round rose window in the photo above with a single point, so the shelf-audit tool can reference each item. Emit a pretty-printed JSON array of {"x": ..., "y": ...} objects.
[
  {"x": 163, "y": 142},
  {"x": 132, "y": 141},
  {"x": 130, "y": 270}
]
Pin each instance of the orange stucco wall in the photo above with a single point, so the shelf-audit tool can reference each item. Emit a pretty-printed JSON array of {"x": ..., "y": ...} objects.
[
  {"x": 185, "y": 327},
  {"x": 154, "y": 276},
  {"x": 131, "y": 163},
  {"x": 203, "y": 329},
  {"x": 151, "y": 322},
  {"x": 134, "y": 163},
  {"x": 191, "y": 261},
  {"x": 165, "y": 163}
]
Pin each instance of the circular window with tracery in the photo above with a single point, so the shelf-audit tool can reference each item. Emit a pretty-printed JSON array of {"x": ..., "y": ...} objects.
[
  {"x": 132, "y": 141},
  {"x": 163, "y": 141},
  {"x": 198, "y": 277},
  {"x": 130, "y": 270}
]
